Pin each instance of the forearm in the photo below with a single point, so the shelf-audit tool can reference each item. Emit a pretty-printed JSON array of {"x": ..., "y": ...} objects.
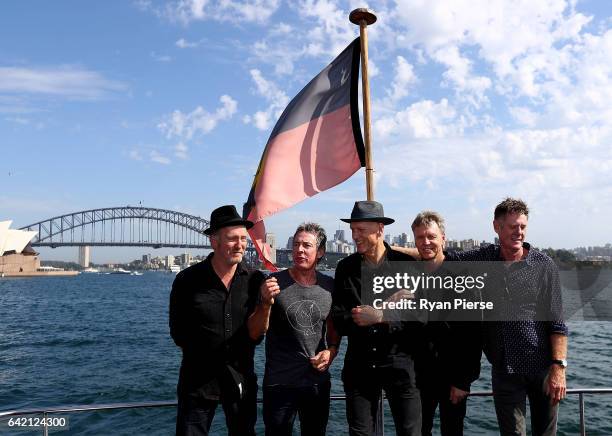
[
  {"x": 332, "y": 338},
  {"x": 259, "y": 321},
  {"x": 558, "y": 345}
]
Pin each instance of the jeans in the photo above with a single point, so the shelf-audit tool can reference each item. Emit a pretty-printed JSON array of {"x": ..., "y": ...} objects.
[
  {"x": 451, "y": 415},
  {"x": 195, "y": 414},
  {"x": 282, "y": 403},
  {"x": 510, "y": 392},
  {"x": 362, "y": 394}
]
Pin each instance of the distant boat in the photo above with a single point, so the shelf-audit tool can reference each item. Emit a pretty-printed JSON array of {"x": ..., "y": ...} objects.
[
  {"x": 136, "y": 273},
  {"x": 120, "y": 271},
  {"x": 90, "y": 270},
  {"x": 175, "y": 269}
]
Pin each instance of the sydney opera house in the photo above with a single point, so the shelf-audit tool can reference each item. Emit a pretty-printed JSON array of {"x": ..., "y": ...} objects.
[{"x": 16, "y": 255}]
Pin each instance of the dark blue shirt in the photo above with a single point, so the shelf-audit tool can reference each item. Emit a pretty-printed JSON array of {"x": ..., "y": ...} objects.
[{"x": 532, "y": 293}]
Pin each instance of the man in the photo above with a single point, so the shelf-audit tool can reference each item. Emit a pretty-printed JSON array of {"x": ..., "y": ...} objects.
[
  {"x": 527, "y": 353},
  {"x": 209, "y": 306},
  {"x": 379, "y": 354},
  {"x": 301, "y": 342},
  {"x": 451, "y": 361}
]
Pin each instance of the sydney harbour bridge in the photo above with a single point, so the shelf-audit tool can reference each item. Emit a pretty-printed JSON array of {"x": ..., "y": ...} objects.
[
  {"x": 128, "y": 226},
  {"x": 136, "y": 226}
]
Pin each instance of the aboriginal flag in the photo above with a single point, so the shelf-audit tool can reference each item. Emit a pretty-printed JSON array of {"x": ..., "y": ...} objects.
[{"x": 315, "y": 145}]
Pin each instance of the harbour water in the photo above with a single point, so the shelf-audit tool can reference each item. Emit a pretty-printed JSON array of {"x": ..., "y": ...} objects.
[{"x": 104, "y": 339}]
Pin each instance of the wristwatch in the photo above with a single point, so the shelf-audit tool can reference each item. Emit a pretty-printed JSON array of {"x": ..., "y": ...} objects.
[{"x": 561, "y": 362}]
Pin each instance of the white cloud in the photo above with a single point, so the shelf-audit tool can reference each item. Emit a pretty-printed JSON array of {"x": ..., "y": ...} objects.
[
  {"x": 183, "y": 43},
  {"x": 187, "y": 11},
  {"x": 135, "y": 155},
  {"x": 404, "y": 79},
  {"x": 18, "y": 120},
  {"x": 422, "y": 120},
  {"x": 199, "y": 121},
  {"x": 180, "y": 151},
  {"x": 158, "y": 158},
  {"x": 276, "y": 98},
  {"x": 71, "y": 82}
]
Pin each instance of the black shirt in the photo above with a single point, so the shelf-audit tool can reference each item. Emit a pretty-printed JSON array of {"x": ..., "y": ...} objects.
[
  {"x": 208, "y": 322},
  {"x": 385, "y": 345}
]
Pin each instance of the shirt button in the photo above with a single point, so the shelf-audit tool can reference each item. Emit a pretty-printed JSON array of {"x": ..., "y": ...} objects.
[
  {"x": 227, "y": 315},
  {"x": 374, "y": 349},
  {"x": 374, "y": 330},
  {"x": 227, "y": 330},
  {"x": 373, "y": 366}
]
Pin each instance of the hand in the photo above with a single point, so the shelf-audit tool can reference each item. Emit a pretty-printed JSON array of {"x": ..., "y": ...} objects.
[
  {"x": 365, "y": 316},
  {"x": 322, "y": 360},
  {"x": 457, "y": 395},
  {"x": 554, "y": 384},
  {"x": 269, "y": 289}
]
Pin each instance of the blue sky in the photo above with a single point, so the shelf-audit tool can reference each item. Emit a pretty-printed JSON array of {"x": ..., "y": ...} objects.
[{"x": 171, "y": 103}]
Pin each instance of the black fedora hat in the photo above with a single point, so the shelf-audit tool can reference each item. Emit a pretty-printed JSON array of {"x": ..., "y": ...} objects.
[
  {"x": 226, "y": 216},
  {"x": 368, "y": 211}
]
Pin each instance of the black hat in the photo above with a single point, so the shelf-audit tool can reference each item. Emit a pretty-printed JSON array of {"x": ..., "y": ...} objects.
[
  {"x": 226, "y": 216},
  {"x": 368, "y": 211}
]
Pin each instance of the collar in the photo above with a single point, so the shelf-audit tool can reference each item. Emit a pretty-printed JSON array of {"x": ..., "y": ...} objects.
[
  {"x": 529, "y": 259},
  {"x": 241, "y": 269}
]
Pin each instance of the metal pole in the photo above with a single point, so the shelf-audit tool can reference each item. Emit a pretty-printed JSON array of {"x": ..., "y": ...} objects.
[
  {"x": 582, "y": 423},
  {"x": 45, "y": 428},
  {"x": 364, "y": 17}
]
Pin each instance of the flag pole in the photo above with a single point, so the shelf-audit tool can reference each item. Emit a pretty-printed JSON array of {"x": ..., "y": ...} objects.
[{"x": 363, "y": 18}]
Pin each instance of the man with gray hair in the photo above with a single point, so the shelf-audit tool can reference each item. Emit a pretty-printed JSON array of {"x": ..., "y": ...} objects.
[
  {"x": 209, "y": 306},
  {"x": 451, "y": 359},
  {"x": 301, "y": 341}
]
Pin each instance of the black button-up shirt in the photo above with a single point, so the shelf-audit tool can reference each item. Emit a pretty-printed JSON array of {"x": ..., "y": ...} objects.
[
  {"x": 386, "y": 345},
  {"x": 208, "y": 322},
  {"x": 531, "y": 292}
]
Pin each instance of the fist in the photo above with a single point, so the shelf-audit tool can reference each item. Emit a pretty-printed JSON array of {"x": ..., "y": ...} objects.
[{"x": 268, "y": 290}]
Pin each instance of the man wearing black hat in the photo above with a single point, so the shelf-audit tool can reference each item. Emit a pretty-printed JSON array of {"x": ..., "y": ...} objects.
[
  {"x": 209, "y": 305},
  {"x": 380, "y": 353}
]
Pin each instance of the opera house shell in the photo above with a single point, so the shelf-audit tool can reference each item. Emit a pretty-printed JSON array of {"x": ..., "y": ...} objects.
[{"x": 16, "y": 255}]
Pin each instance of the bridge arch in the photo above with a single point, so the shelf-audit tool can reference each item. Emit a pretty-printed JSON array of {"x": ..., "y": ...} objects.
[{"x": 122, "y": 226}]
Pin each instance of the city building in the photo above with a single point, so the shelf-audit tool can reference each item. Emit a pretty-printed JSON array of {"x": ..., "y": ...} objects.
[{"x": 84, "y": 256}]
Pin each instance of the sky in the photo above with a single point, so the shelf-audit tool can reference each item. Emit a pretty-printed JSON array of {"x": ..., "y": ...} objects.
[{"x": 170, "y": 104}]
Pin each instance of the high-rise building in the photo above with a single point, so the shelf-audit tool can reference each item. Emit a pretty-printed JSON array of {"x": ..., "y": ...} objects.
[
  {"x": 271, "y": 240},
  {"x": 339, "y": 235},
  {"x": 168, "y": 261},
  {"x": 290, "y": 243},
  {"x": 146, "y": 259},
  {"x": 84, "y": 256},
  {"x": 185, "y": 259}
]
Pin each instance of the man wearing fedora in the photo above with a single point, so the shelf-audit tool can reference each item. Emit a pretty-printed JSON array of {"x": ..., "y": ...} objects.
[
  {"x": 210, "y": 303},
  {"x": 380, "y": 353}
]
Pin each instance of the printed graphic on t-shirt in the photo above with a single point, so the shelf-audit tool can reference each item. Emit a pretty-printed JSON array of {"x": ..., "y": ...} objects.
[{"x": 304, "y": 316}]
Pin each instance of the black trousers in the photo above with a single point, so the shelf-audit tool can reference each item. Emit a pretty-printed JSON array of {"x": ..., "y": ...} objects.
[
  {"x": 451, "y": 415},
  {"x": 195, "y": 415},
  {"x": 362, "y": 395},
  {"x": 281, "y": 404},
  {"x": 510, "y": 393}
]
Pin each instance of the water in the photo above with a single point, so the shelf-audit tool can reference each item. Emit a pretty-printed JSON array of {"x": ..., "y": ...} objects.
[{"x": 96, "y": 339}]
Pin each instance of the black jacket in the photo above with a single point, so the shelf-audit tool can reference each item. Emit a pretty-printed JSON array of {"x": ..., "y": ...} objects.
[{"x": 385, "y": 345}]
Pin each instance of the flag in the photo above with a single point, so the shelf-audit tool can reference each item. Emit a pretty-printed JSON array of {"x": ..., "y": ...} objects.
[{"x": 315, "y": 145}]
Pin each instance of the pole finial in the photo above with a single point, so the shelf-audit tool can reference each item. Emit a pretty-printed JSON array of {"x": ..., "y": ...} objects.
[{"x": 362, "y": 14}]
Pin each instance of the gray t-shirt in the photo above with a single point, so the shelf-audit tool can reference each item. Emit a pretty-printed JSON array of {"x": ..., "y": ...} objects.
[{"x": 297, "y": 331}]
